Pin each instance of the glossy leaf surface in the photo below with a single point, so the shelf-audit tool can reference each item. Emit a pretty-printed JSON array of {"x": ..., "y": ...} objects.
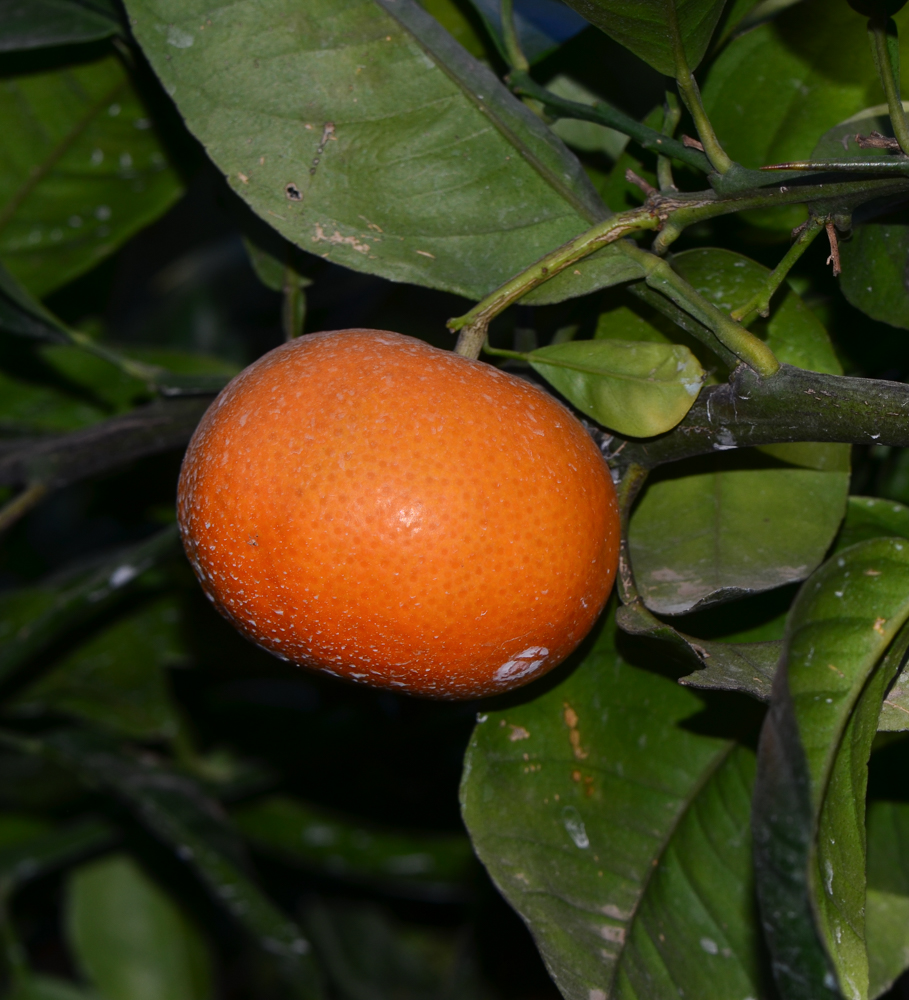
[
  {"x": 657, "y": 31},
  {"x": 809, "y": 811},
  {"x": 34, "y": 24},
  {"x": 635, "y": 388},
  {"x": 130, "y": 938},
  {"x": 619, "y": 836},
  {"x": 715, "y": 528},
  {"x": 413, "y": 161}
]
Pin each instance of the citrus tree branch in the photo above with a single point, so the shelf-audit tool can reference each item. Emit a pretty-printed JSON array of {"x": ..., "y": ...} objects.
[
  {"x": 792, "y": 405},
  {"x": 884, "y": 45}
]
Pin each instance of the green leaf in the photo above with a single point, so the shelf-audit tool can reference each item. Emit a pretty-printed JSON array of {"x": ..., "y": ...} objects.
[
  {"x": 29, "y": 408},
  {"x": 875, "y": 256},
  {"x": 541, "y": 25},
  {"x": 117, "y": 677},
  {"x": 807, "y": 69},
  {"x": 634, "y": 388},
  {"x": 84, "y": 171},
  {"x": 369, "y": 954},
  {"x": 887, "y": 899},
  {"x": 716, "y": 528},
  {"x": 21, "y": 315},
  {"x": 809, "y": 804},
  {"x": 37, "y": 987},
  {"x": 620, "y": 836},
  {"x": 299, "y": 833},
  {"x": 722, "y": 666},
  {"x": 33, "y": 618},
  {"x": 872, "y": 517},
  {"x": 29, "y": 848},
  {"x": 658, "y": 31},
  {"x": 175, "y": 809},
  {"x": 412, "y": 161},
  {"x": 130, "y": 938},
  {"x": 34, "y": 24}
]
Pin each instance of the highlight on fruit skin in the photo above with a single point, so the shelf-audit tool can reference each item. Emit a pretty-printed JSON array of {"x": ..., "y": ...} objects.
[{"x": 362, "y": 503}]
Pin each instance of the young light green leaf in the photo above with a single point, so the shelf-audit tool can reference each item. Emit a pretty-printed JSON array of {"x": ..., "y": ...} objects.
[
  {"x": 299, "y": 833},
  {"x": 131, "y": 939},
  {"x": 412, "y": 160},
  {"x": 809, "y": 805},
  {"x": 807, "y": 69},
  {"x": 719, "y": 527},
  {"x": 887, "y": 899},
  {"x": 658, "y": 31},
  {"x": 84, "y": 171},
  {"x": 632, "y": 387},
  {"x": 35, "y": 24},
  {"x": 117, "y": 677},
  {"x": 619, "y": 836}
]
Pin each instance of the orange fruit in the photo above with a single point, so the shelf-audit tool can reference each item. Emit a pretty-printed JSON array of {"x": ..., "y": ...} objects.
[{"x": 391, "y": 513}]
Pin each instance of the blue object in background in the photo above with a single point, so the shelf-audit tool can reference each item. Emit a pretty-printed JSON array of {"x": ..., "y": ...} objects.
[{"x": 542, "y": 25}]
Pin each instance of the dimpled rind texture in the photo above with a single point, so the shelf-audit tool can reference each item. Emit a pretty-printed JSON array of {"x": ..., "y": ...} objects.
[{"x": 394, "y": 514}]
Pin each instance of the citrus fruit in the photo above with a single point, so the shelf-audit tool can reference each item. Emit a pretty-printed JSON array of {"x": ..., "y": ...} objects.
[{"x": 395, "y": 514}]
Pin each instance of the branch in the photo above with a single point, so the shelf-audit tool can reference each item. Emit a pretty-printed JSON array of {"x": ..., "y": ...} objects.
[
  {"x": 792, "y": 405},
  {"x": 57, "y": 461}
]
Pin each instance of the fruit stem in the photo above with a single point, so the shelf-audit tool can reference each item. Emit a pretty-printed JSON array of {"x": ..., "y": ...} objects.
[{"x": 629, "y": 486}]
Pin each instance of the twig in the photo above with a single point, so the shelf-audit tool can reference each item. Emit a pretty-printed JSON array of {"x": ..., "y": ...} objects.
[
  {"x": 759, "y": 304},
  {"x": 672, "y": 113},
  {"x": 876, "y": 140},
  {"x": 692, "y": 143},
  {"x": 882, "y": 33},
  {"x": 639, "y": 181},
  {"x": 21, "y": 504},
  {"x": 834, "y": 257}
]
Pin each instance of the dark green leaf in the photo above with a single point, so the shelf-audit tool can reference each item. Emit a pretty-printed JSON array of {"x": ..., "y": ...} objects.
[
  {"x": 887, "y": 899},
  {"x": 412, "y": 160},
  {"x": 368, "y": 954},
  {"x": 725, "y": 666},
  {"x": 37, "y": 987},
  {"x": 806, "y": 70},
  {"x": 34, "y": 24},
  {"x": 29, "y": 408},
  {"x": 872, "y": 517},
  {"x": 117, "y": 677},
  {"x": 300, "y": 833},
  {"x": 29, "y": 848},
  {"x": 33, "y": 618},
  {"x": 21, "y": 315},
  {"x": 84, "y": 171},
  {"x": 634, "y": 388},
  {"x": 716, "y": 528},
  {"x": 875, "y": 256},
  {"x": 176, "y": 809},
  {"x": 619, "y": 836},
  {"x": 877, "y": 8},
  {"x": 130, "y": 938},
  {"x": 659, "y": 31},
  {"x": 809, "y": 806}
]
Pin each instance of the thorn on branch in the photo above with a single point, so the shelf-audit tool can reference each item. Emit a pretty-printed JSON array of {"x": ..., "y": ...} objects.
[
  {"x": 876, "y": 140},
  {"x": 633, "y": 178},
  {"x": 834, "y": 257},
  {"x": 692, "y": 143}
]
